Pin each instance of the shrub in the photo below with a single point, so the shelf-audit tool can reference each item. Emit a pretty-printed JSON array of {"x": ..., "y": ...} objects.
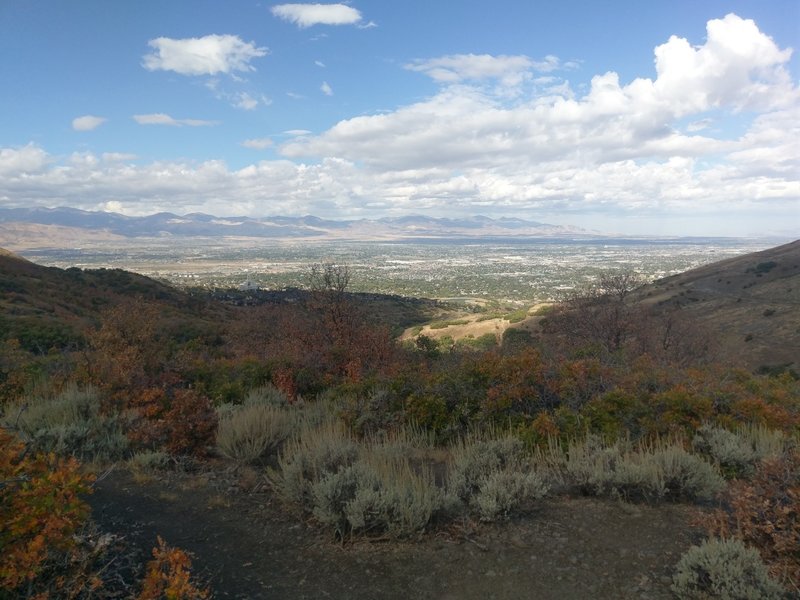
[
  {"x": 376, "y": 487},
  {"x": 516, "y": 316},
  {"x": 446, "y": 324},
  {"x": 40, "y": 511},
  {"x": 369, "y": 412},
  {"x": 149, "y": 460},
  {"x": 181, "y": 421},
  {"x": 252, "y": 431},
  {"x": 70, "y": 424},
  {"x": 765, "y": 513},
  {"x": 377, "y": 495},
  {"x": 738, "y": 452},
  {"x": 191, "y": 423},
  {"x": 723, "y": 569},
  {"x": 494, "y": 477},
  {"x": 656, "y": 472},
  {"x": 309, "y": 457},
  {"x": 169, "y": 576},
  {"x": 266, "y": 394}
]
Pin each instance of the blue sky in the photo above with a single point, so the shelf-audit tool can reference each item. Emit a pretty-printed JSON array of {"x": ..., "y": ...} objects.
[{"x": 678, "y": 117}]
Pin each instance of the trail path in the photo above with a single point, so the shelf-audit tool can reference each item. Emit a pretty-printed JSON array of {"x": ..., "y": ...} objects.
[{"x": 247, "y": 546}]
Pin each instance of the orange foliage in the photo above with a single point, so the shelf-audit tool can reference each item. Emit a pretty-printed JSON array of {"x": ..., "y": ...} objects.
[
  {"x": 169, "y": 576},
  {"x": 182, "y": 421},
  {"x": 765, "y": 513},
  {"x": 40, "y": 511}
]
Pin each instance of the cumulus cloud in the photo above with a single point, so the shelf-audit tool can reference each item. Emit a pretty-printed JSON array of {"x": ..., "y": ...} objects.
[
  {"x": 164, "y": 119},
  {"x": 464, "y": 125},
  {"x": 87, "y": 122},
  {"x": 307, "y": 15},
  {"x": 25, "y": 160},
  {"x": 257, "y": 143},
  {"x": 208, "y": 55},
  {"x": 326, "y": 89},
  {"x": 738, "y": 66},
  {"x": 651, "y": 147}
]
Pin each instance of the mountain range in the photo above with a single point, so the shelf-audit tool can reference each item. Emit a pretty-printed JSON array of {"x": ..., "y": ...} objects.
[{"x": 19, "y": 227}]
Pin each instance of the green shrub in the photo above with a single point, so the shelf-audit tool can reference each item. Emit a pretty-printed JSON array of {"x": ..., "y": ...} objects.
[
  {"x": 737, "y": 453},
  {"x": 724, "y": 569},
  {"x": 369, "y": 412},
  {"x": 378, "y": 486},
  {"x": 266, "y": 394},
  {"x": 70, "y": 423},
  {"x": 652, "y": 473},
  {"x": 377, "y": 495},
  {"x": 516, "y": 316},
  {"x": 446, "y": 324},
  {"x": 494, "y": 477},
  {"x": 149, "y": 461},
  {"x": 250, "y": 432},
  {"x": 316, "y": 452}
]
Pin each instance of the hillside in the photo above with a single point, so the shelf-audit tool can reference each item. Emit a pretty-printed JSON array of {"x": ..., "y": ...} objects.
[
  {"x": 47, "y": 307},
  {"x": 303, "y": 442},
  {"x": 751, "y": 303}
]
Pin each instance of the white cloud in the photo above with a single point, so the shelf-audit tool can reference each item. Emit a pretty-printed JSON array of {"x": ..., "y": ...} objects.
[
  {"x": 738, "y": 66},
  {"x": 306, "y": 15},
  {"x": 118, "y": 156},
  {"x": 245, "y": 101},
  {"x": 208, "y": 55},
  {"x": 87, "y": 122},
  {"x": 257, "y": 143},
  {"x": 549, "y": 63},
  {"x": 464, "y": 67},
  {"x": 319, "y": 63},
  {"x": 470, "y": 125},
  {"x": 698, "y": 125},
  {"x": 164, "y": 119},
  {"x": 640, "y": 148},
  {"x": 17, "y": 161},
  {"x": 326, "y": 89}
]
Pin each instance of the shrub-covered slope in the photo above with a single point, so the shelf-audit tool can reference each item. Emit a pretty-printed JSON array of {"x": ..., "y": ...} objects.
[{"x": 751, "y": 304}]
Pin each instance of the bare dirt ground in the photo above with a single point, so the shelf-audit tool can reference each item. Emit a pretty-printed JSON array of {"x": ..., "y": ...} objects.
[{"x": 245, "y": 545}]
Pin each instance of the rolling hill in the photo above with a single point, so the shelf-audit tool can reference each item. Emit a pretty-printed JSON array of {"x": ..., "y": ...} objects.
[
  {"x": 48, "y": 307},
  {"x": 751, "y": 303}
]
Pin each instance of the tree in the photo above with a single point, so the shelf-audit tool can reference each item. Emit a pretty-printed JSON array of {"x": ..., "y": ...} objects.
[
  {"x": 331, "y": 302},
  {"x": 600, "y": 316}
]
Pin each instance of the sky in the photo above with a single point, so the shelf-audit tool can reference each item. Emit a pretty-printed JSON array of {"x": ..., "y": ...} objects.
[{"x": 623, "y": 116}]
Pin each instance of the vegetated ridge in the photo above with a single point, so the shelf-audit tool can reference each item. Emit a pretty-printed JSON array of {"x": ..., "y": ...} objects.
[
  {"x": 47, "y": 308},
  {"x": 750, "y": 303}
]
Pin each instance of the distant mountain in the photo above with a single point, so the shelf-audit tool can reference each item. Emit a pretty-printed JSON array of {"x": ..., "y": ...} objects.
[{"x": 29, "y": 222}]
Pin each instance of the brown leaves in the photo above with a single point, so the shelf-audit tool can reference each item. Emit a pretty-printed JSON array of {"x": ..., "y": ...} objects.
[
  {"x": 765, "y": 513},
  {"x": 169, "y": 576},
  {"x": 40, "y": 510}
]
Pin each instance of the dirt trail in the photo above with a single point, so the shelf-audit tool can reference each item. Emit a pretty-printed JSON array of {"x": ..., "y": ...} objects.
[{"x": 246, "y": 546}]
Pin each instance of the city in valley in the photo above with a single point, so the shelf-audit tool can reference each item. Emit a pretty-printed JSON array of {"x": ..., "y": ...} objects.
[{"x": 521, "y": 271}]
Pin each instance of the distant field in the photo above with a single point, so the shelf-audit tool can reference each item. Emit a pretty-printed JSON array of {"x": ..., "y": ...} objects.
[{"x": 519, "y": 271}]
